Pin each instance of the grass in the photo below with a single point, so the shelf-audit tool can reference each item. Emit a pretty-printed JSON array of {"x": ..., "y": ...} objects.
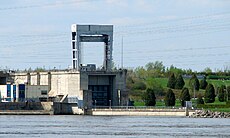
[
  {"x": 164, "y": 81},
  {"x": 216, "y": 83}
]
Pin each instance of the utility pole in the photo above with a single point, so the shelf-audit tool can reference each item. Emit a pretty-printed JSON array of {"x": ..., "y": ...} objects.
[
  {"x": 122, "y": 52},
  {"x": 226, "y": 93},
  {"x": 194, "y": 90}
]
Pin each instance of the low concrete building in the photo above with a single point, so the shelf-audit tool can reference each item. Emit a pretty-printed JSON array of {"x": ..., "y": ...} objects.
[{"x": 86, "y": 88}]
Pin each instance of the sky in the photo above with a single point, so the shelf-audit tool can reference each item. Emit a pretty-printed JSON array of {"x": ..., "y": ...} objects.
[{"x": 191, "y": 34}]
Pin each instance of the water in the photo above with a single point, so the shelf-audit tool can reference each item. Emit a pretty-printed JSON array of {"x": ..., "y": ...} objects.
[{"x": 111, "y": 126}]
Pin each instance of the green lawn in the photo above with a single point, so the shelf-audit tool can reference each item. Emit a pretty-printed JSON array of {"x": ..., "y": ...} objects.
[
  {"x": 164, "y": 81},
  {"x": 216, "y": 83}
]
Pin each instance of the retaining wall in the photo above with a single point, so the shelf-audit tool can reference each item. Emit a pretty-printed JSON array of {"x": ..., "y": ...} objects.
[{"x": 144, "y": 112}]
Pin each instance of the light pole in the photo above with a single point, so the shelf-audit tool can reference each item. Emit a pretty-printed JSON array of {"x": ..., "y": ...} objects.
[
  {"x": 95, "y": 104},
  {"x": 194, "y": 90},
  {"x": 226, "y": 87},
  {"x": 109, "y": 104},
  {"x": 226, "y": 93}
]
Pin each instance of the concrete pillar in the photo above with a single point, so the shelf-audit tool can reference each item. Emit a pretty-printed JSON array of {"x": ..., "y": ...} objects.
[
  {"x": 38, "y": 78},
  {"x": 49, "y": 81},
  {"x": 28, "y": 79}
]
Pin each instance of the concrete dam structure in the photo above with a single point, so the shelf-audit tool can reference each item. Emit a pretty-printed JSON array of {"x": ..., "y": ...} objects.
[{"x": 82, "y": 87}]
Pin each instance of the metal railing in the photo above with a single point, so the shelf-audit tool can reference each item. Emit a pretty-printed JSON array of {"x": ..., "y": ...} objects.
[{"x": 134, "y": 107}]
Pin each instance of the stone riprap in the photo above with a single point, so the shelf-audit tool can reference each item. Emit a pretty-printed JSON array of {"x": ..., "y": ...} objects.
[{"x": 209, "y": 114}]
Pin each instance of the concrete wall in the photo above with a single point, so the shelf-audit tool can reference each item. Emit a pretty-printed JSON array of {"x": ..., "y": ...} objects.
[
  {"x": 34, "y": 91},
  {"x": 133, "y": 112},
  {"x": 21, "y": 106},
  {"x": 66, "y": 108},
  {"x": 59, "y": 83},
  {"x": 3, "y": 91},
  {"x": 72, "y": 83}
]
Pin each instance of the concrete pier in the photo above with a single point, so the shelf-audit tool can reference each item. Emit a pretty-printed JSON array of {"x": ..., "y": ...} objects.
[
  {"x": 142, "y": 112},
  {"x": 25, "y": 112}
]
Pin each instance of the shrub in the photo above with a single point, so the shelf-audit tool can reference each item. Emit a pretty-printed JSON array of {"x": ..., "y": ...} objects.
[
  {"x": 203, "y": 83},
  {"x": 149, "y": 97},
  {"x": 171, "y": 81},
  {"x": 209, "y": 94},
  {"x": 194, "y": 82},
  {"x": 200, "y": 100},
  {"x": 228, "y": 93},
  {"x": 185, "y": 96},
  {"x": 179, "y": 84},
  {"x": 221, "y": 93},
  {"x": 169, "y": 98},
  {"x": 139, "y": 85}
]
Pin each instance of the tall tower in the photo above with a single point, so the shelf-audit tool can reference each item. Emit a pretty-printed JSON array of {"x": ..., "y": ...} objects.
[{"x": 92, "y": 33}]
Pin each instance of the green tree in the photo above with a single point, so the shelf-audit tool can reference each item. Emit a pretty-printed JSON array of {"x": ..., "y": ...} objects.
[
  {"x": 200, "y": 100},
  {"x": 179, "y": 84},
  {"x": 203, "y": 83},
  {"x": 141, "y": 73},
  {"x": 209, "y": 96},
  {"x": 171, "y": 81},
  {"x": 221, "y": 93},
  {"x": 155, "y": 86},
  {"x": 140, "y": 85},
  {"x": 228, "y": 93},
  {"x": 185, "y": 96},
  {"x": 194, "y": 82},
  {"x": 157, "y": 65},
  {"x": 149, "y": 97},
  {"x": 174, "y": 70},
  {"x": 155, "y": 69},
  {"x": 208, "y": 70},
  {"x": 170, "y": 98}
]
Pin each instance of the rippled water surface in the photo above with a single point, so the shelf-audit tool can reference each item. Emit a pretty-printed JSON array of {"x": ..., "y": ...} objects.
[{"x": 111, "y": 126}]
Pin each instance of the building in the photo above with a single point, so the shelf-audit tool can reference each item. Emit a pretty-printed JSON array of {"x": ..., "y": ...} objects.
[{"x": 83, "y": 84}]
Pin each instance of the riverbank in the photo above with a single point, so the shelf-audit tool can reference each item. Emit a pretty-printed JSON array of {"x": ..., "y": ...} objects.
[
  {"x": 209, "y": 114},
  {"x": 25, "y": 112}
]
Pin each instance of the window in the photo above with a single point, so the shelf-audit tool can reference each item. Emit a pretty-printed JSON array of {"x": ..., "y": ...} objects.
[
  {"x": 73, "y": 35},
  {"x": 43, "y": 92},
  {"x": 74, "y": 45}
]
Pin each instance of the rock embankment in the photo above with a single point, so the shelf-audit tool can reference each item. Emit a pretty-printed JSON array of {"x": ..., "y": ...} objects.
[{"x": 210, "y": 114}]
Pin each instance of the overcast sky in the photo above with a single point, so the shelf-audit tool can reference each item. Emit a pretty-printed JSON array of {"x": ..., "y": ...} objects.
[{"x": 185, "y": 33}]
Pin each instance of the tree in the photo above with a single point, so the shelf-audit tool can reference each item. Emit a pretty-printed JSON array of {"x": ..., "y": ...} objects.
[
  {"x": 200, "y": 100},
  {"x": 174, "y": 70},
  {"x": 157, "y": 65},
  {"x": 208, "y": 70},
  {"x": 194, "y": 82},
  {"x": 170, "y": 98},
  {"x": 140, "y": 85},
  {"x": 209, "y": 96},
  {"x": 185, "y": 96},
  {"x": 155, "y": 86},
  {"x": 140, "y": 73},
  {"x": 228, "y": 93},
  {"x": 203, "y": 83},
  {"x": 155, "y": 69},
  {"x": 221, "y": 93},
  {"x": 171, "y": 81},
  {"x": 179, "y": 84},
  {"x": 149, "y": 97}
]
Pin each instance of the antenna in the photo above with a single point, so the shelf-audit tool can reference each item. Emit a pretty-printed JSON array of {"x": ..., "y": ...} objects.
[{"x": 122, "y": 52}]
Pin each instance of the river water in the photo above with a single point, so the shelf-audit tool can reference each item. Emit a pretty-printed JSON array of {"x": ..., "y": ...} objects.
[{"x": 111, "y": 126}]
